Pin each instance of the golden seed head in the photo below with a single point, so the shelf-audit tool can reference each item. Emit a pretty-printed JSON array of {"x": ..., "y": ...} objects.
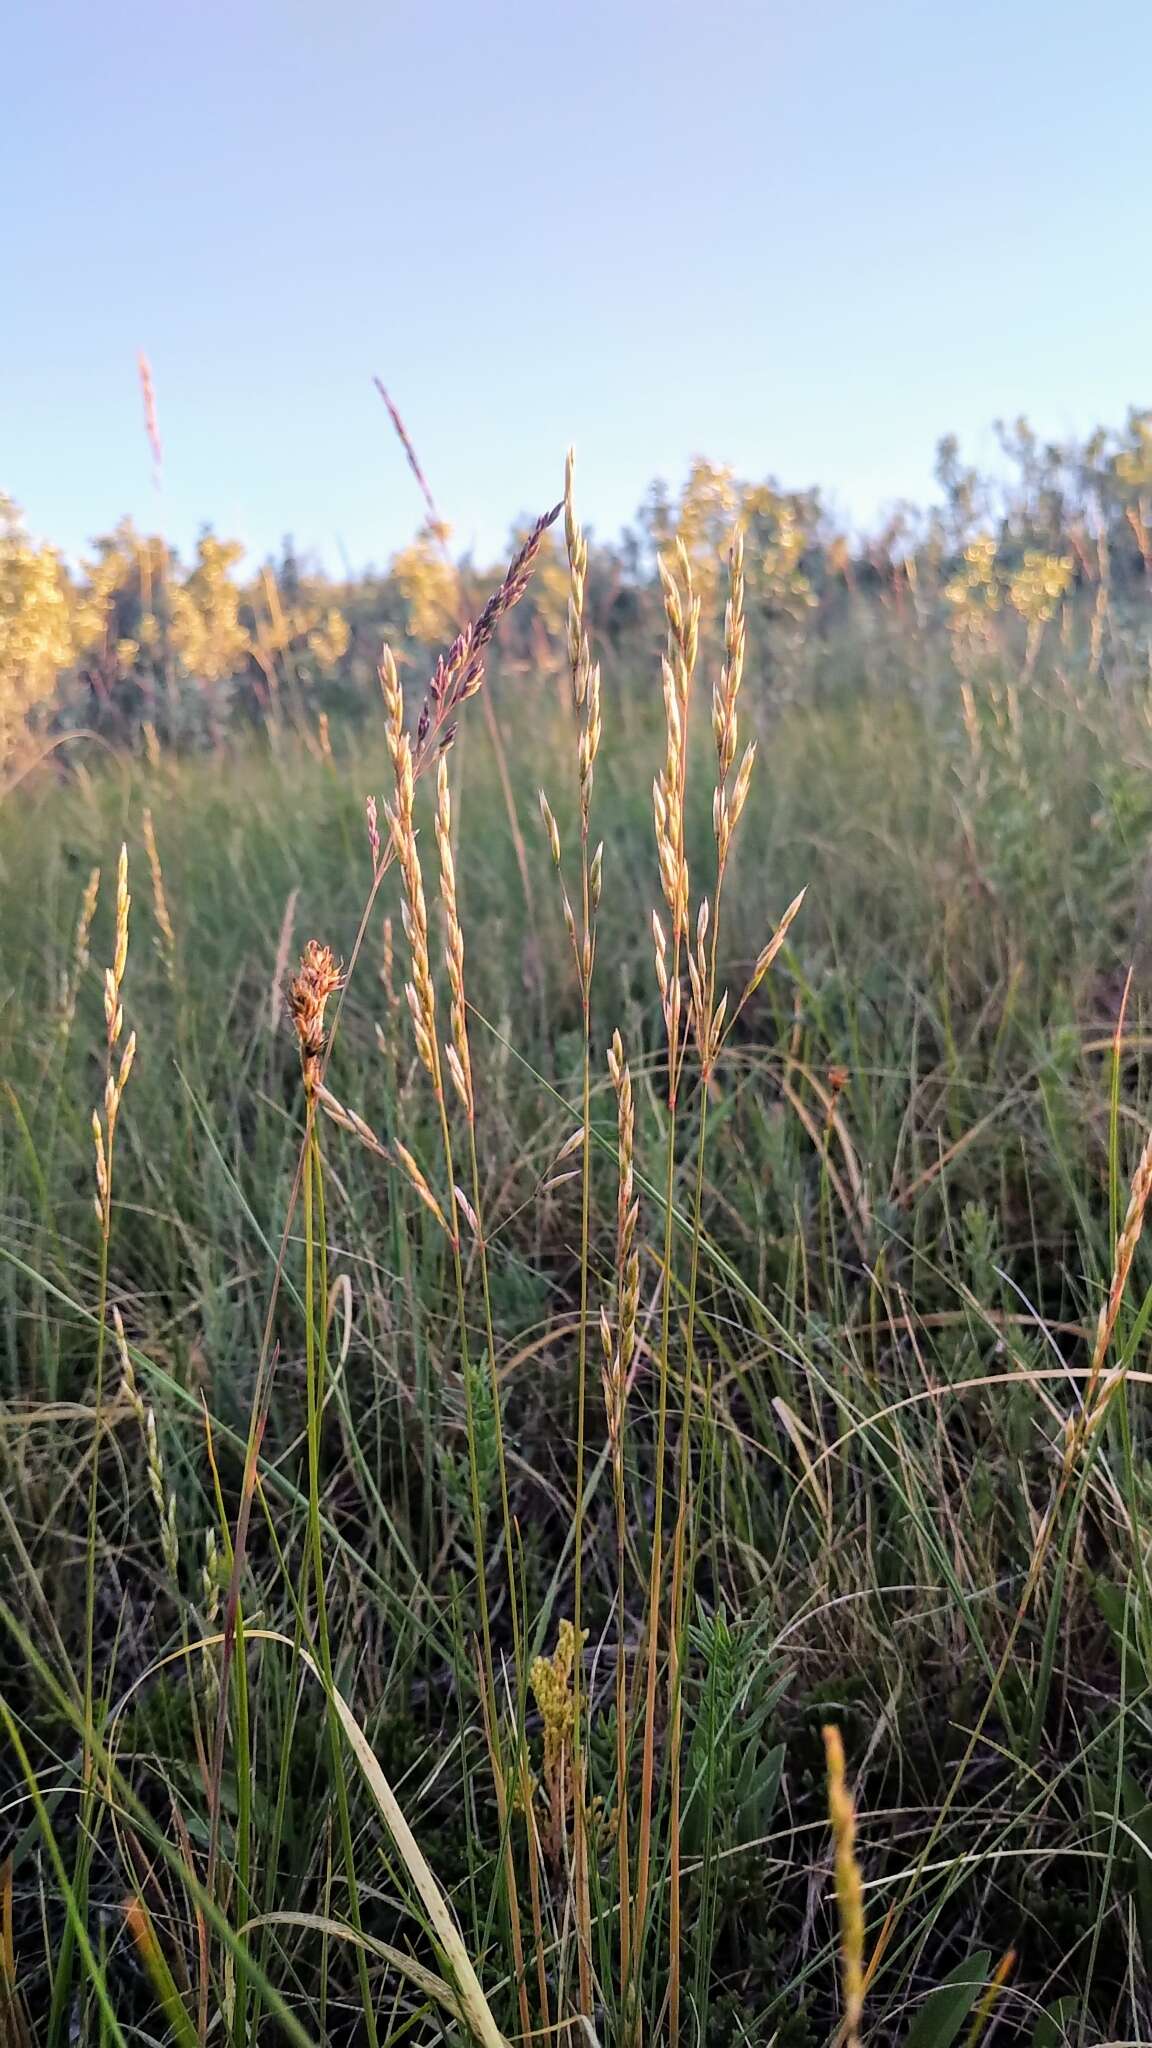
[
  {"x": 550, "y": 827},
  {"x": 127, "y": 1057},
  {"x": 420, "y": 1185},
  {"x": 551, "y": 1681},
  {"x": 596, "y": 876},
  {"x": 159, "y": 895},
  {"x": 393, "y": 699}
]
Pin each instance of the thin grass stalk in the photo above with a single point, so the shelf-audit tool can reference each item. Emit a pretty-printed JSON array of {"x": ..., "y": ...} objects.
[
  {"x": 72, "y": 981},
  {"x": 462, "y": 1073},
  {"x": 243, "y": 1766},
  {"x": 239, "y": 1683},
  {"x": 127, "y": 1802},
  {"x": 74, "y": 1902},
  {"x": 460, "y": 1066},
  {"x": 164, "y": 1503},
  {"x": 586, "y": 697},
  {"x": 682, "y": 609},
  {"x": 421, "y": 997},
  {"x": 116, "y": 1072},
  {"x": 619, "y": 1352},
  {"x": 316, "y": 983},
  {"x": 459, "y": 674},
  {"x": 315, "y": 1252},
  {"x": 504, "y": 1814},
  {"x": 706, "y": 1016}
]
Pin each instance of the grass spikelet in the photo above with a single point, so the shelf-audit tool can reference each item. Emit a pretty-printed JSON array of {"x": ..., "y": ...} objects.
[
  {"x": 461, "y": 1061},
  {"x": 420, "y": 1186},
  {"x": 151, "y": 420},
  {"x": 163, "y": 1499},
  {"x": 165, "y": 933},
  {"x": 349, "y": 1120},
  {"x": 81, "y": 953},
  {"x": 991, "y": 1998},
  {"x": 419, "y": 991},
  {"x": 727, "y": 687},
  {"x": 1098, "y": 1389},
  {"x": 585, "y": 672},
  {"x": 551, "y": 829},
  {"x": 117, "y": 1070},
  {"x": 768, "y": 953},
  {"x": 460, "y": 672},
  {"x": 140, "y": 1927}
]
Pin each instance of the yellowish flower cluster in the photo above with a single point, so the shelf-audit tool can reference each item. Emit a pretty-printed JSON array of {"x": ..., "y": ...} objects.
[
  {"x": 35, "y": 626},
  {"x": 1038, "y": 586}
]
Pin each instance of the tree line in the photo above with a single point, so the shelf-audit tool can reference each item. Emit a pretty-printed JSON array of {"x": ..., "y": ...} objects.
[{"x": 133, "y": 638}]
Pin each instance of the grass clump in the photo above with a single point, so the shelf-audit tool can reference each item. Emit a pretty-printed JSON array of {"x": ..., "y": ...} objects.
[{"x": 587, "y": 1374}]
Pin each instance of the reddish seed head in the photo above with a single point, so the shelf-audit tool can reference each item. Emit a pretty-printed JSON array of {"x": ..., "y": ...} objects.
[{"x": 319, "y": 977}]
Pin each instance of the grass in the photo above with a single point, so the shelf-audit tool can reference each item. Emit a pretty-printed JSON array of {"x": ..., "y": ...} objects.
[{"x": 488, "y": 1448}]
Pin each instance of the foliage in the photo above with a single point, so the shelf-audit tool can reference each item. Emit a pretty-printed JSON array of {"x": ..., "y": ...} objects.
[
  {"x": 507, "y": 1402},
  {"x": 35, "y": 627},
  {"x": 136, "y": 637}
]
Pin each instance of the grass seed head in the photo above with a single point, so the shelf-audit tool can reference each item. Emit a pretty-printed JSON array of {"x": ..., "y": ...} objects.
[
  {"x": 167, "y": 936},
  {"x": 551, "y": 828},
  {"x": 318, "y": 978}
]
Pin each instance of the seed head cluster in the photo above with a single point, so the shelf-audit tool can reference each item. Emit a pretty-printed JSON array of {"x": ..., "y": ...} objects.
[
  {"x": 318, "y": 978},
  {"x": 619, "y": 1351},
  {"x": 104, "y": 1132}
]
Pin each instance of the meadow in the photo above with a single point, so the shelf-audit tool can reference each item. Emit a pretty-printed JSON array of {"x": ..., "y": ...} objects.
[{"x": 573, "y": 1381}]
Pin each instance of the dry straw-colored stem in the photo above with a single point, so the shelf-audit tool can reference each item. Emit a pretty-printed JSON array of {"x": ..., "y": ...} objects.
[
  {"x": 619, "y": 1351},
  {"x": 849, "y": 1888},
  {"x": 622, "y": 1350},
  {"x": 1099, "y": 1389}
]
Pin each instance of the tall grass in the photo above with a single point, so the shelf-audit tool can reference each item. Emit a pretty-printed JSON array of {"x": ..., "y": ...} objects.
[{"x": 619, "y": 1509}]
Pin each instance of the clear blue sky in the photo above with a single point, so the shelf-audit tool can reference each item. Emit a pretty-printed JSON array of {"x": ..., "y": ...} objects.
[{"x": 804, "y": 239}]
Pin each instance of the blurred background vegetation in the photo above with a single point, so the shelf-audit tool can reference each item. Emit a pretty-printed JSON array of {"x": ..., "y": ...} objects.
[{"x": 134, "y": 640}]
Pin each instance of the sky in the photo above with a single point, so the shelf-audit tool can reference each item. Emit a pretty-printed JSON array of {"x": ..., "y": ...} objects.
[{"x": 802, "y": 240}]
